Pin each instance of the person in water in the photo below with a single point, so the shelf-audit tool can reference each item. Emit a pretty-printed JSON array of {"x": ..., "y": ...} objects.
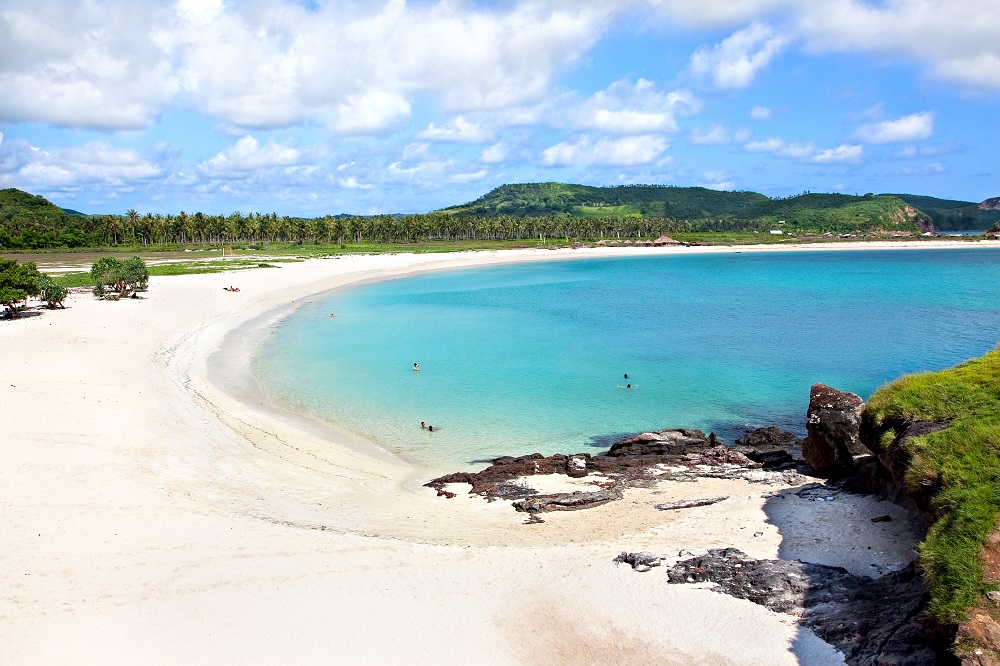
[
  {"x": 430, "y": 428},
  {"x": 416, "y": 367},
  {"x": 423, "y": 426},
  {"x": 626, "y": 375}
]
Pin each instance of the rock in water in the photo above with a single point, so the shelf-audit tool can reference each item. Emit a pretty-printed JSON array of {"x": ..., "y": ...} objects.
[{"x": 834, "y": 427}]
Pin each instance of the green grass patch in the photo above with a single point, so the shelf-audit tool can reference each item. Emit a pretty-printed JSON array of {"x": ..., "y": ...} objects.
[
  {"x": 74, "y": 280},
  {"x": 962, "y": 461}
]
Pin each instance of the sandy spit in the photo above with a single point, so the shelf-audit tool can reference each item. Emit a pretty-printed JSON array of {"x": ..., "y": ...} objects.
[{"x": 150, "y": 513}]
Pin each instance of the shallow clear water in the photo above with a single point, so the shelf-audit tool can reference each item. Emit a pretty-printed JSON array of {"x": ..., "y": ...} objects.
[{"x": 530, "y": 357}]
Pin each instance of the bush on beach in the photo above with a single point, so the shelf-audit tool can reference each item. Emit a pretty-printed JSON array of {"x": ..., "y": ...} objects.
[
  {"x": 119, "y": 278},
  {"x": 17, "y": 283}
]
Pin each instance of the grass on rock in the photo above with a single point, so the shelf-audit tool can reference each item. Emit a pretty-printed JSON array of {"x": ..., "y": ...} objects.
[{"x": 962, "y": 461}]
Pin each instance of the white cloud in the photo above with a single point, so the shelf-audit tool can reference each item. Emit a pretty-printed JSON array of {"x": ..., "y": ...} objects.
[
  {"x": 843, "y": 154},
  {"x": 735, "y": 61},
  {"x": 629, "y": 108},
  {"x": 458, "y": 129},
  {"x": 626, "y": 151},
  {"x": 913, "y": 127},
  {"x": 370, "y": 111},
  {"x": 956, "y": 38},
  {"x": 760, "y": 113},
  {"x": 710, "y": 135},
  {"x": 468, "y": 177},
  {"x": 807, "y": 152},
  {"x": 97, "y": 163},
  {"x": 248, "y": 155},
  {"x": 493, "y": 154},
  {"x": 351, "y": 183},
  {"x": 83, "y": 64},
  {"x": 932, "y": 169}
]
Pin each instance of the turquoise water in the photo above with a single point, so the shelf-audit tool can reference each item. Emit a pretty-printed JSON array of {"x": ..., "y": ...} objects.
[{"x": 529, "y": 357}]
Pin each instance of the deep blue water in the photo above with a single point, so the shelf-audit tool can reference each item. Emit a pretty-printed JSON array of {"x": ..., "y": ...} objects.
[{"x": 530, "y": 357}]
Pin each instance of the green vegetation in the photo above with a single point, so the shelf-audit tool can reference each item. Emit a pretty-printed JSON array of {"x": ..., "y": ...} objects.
[
  {"x": 52, "y": 292},
  {"x": 959, "y": 465},
  {"x": 17, "y": 282},
  {"x": 950, "y": 215},
  {"x": 119, "y": 278},
  {"x": 526, "y": 213}
]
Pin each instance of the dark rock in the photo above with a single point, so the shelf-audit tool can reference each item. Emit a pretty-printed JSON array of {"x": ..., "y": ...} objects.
[
  {"x": 872, "y": 621},
  {"x": 689, "y": 504},
  {"x": 672, "y": 441},
  {"x": 635, "y": 461},
  {"x": 641, "y": 562},
  {"x": 834, "y": 427},
  {"x": 568, "y": 501},
  {"x": 770, "y": 436},
  {"x": 889, "y": 440}
]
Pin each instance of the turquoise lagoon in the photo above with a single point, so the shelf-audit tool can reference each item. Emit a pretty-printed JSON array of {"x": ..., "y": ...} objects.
[{"x": 530, "y": 357}]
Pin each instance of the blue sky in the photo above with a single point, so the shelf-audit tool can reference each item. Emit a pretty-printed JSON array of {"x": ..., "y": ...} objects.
[{"x": 315, "y": 107}]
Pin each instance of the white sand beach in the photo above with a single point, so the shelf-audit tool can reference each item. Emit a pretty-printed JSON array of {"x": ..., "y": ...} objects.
[{"x": 154, "y": 511}]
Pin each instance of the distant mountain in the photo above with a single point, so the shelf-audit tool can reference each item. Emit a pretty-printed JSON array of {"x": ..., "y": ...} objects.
[
  {"x": 990, "y": 204},
  {"x": 951, "y": 215},
  {"x": 814, "y": 212},
  {"x": 70, "y": 211}
]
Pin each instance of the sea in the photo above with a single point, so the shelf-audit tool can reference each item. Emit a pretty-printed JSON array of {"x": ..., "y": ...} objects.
[{"x": 533, "y": 357}]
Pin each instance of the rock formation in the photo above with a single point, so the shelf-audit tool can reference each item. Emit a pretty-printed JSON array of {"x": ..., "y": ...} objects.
[
  {"x": 880, "y": 621},
  {"x": 677, "y": 454},
  {"x": 834, "y": 427}
]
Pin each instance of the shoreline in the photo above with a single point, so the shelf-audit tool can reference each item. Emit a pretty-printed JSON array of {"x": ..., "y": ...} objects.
[
  {"x": 224, "y": 371},
  {"x": 144, "y": 503}
]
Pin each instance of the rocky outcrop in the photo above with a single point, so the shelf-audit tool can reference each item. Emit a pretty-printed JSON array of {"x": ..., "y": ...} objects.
[
  {"x": 881, "y": 621},
  {"x": 834, "y": 431},
  {"x": 990, "y": 204},
  {"x": 568, "y": 501},
  {"x": 676, "y": 454}
]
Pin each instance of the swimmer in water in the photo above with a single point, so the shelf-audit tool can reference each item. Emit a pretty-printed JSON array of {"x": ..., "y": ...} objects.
[
  {"x": 627, "y": 387},
  {"x": 626, "y": 375},
  {"x": 416, "y": 367},
  {"x": 423, "y": 426},
  {"x": 430, "y": 428}
]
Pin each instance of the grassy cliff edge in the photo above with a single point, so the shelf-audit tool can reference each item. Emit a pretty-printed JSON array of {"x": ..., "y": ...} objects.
[{"x": 956, "y": 469}]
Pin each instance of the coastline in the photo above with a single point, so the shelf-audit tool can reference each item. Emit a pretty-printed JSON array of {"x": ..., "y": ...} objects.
[{"x": 162, "y": 513}]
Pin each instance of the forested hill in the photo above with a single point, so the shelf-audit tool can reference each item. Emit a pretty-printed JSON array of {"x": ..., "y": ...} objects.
[
  {"x": 536, "y": 199},
  {"x": 740, "y": 209},
  {"x": 950, "y": 215},
  {"x": 17, "y": 207}
]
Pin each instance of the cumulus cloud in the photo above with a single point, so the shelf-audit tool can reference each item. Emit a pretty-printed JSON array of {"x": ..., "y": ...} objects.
[
  {"x": 83, "y": 64},
  {"x": 633, "y": 108},
  {"x": 913, "y": 127},
  {"x": 494, "y": 154},
  {"x": 459, "y": 129},
  {"x": 956, "y": 38},
  {"x": 625, "y": 151},
  {"x": 760, "y": 113},
  {"x": 370, "y": 111},
  {"x": 807, "y": 152},
  {"x": 29, "y": 167},
  {"x": 269, "y": 64},
  {"x": 710, "y": 135},
  {"x": 735, "y": 61},
  {"x": 248, "y": 155}
]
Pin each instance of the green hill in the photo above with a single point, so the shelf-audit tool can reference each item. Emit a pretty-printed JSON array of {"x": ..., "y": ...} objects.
[
  {"x": 539, "y": 199},
  {"x": 739, "y": 210},
  {"x": 31, "y": 221},
  {"x": 951, "y": 215}
]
